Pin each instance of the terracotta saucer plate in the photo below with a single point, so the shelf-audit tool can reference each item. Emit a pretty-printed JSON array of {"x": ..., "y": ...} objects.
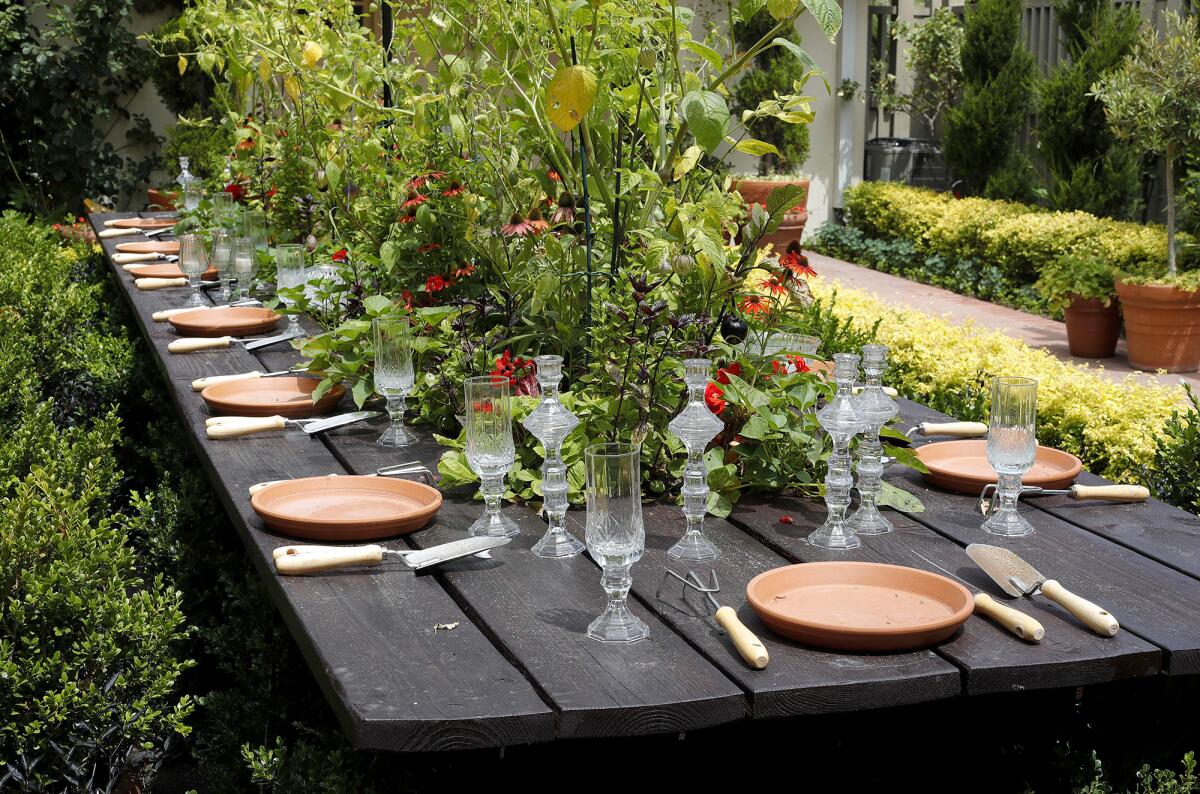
[
  {"x": 143, "y": 223},
  {"x": 230, "y": 321},
  {"x": 168, "y": 270},
  {"x": 344, "y": 509},
  {"x": 962, "y": 466},
  {"x": 149, "y": 247},
  {"x": 859, "y": 606},
  {"x": 282, "y": 396}
]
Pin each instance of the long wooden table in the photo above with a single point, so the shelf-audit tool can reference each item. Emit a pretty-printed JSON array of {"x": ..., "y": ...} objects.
[{"x": 518, "y": 669}]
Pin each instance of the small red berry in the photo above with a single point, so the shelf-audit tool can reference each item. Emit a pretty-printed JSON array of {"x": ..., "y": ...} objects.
[{"x": 786, "y": 520}]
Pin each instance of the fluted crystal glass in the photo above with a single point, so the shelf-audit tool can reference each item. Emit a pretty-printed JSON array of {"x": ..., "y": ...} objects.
[
  {"x": 696, "y": 425},
  {"x": 1011, "y": 450},
  {"x": 616, "y": 537},
  {"x": 254, "y": 227},
  {"x": 289, "y": 273},
  {"x": 394, "y": 374},
  {"x": 550, "y": 423},
  {"x": 222, "y": 260},
  {"x": 243, "y": 265},
  {"x": 841, "y": 421},
  {"x": 192, "y": 262},
  {"x": 224, "y": 212},
  {"x": 876, "y": 409},
  {"x": 490, "y": 448}
]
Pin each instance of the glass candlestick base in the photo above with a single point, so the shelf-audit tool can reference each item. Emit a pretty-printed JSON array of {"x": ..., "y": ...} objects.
[
  {"x": 1008, "y": 524},
  {"x": 557, "y": 543},
  {"x": 834, "y": 536},
  {"x": 618, "y": 625},
  {"x": 494, "y": 525},
  {"x": 396, "y": 436},
  {"x": 867, "y": 520},
  {"x": 694, "y": 547}
]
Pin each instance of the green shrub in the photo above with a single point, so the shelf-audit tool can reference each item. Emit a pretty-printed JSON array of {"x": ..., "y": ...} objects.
[
  {"x": 1083, "y": 275},
  {"x": 775, "y": 73},
  {"x": 1175, "y": 473}
]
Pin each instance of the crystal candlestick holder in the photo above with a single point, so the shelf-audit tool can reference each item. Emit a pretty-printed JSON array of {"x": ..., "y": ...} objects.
[
  {"x": 695, "y": 426},
  {"x": 550, "y": 423},
  {"x": 876, "y": 410},
  {"x": 842, "y": 422}
]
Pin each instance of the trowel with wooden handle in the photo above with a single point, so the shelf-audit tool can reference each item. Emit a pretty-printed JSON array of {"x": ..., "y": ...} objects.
[
  {"x": 293, "y": 560},
  {"x": 1018, "y": 578}
]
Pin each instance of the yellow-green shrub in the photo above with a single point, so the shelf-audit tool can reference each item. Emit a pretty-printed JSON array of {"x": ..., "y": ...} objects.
[{"x": 1110, "y": 426}]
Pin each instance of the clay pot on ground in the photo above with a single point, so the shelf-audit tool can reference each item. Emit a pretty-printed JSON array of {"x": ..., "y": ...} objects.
[
  {"x": 161, "y": 199},
  {"x": 1092, "y": 327},
  {"x": 1162, "y": 327},
  {"x": 757, "y": 191}
]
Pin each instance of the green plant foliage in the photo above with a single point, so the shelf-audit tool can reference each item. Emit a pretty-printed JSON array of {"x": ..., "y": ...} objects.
[
  {"x": 1085, "y": 275},
  {"x": 776, "y": 71},
  {"x": 934, "y": 56},
  {"x": 1175, "y": 473},
  {"x": 997, "y": 81},
  {"x": 1090, "y": 169},
  {"x": 66, "y": 70}
]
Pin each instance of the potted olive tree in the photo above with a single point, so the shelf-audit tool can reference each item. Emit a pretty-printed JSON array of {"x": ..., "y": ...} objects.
[
  {"x": 1082, "y": 285},
  {"x": 1153, "y": 99},
  {"x": 777, "y": 70}
]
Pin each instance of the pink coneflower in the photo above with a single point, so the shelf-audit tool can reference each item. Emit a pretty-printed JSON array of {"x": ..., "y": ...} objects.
[
  {"x": 565, "y": 211},
  {"x": 414, "y": 200},
  {"x": 517, "y": 227}
]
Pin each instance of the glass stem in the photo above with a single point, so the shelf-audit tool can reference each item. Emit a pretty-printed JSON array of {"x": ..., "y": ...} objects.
[
  {"x": 695, "y": 492},
  {"x": 1008, "y": 489},
  {"x": 616, "y": 581},
  {"x": 554, "y": 490},
  {"x": 492, "y": 488},
  {"x": 395, "y": 408}
]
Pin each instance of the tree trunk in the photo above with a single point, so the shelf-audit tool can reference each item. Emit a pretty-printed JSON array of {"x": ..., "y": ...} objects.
[{"x": 1171, "y": 209}]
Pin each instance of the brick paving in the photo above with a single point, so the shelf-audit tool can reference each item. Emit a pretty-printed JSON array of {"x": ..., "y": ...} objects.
[{"x": 1030, "y": 328}]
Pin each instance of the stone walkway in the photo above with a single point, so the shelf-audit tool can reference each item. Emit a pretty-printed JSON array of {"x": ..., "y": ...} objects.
[{"x": 1030, "y": 328}]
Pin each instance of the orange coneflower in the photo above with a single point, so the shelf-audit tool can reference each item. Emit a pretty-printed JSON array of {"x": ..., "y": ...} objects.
[
  {"x": 755, "y": 304},
  {"x": 553, "y": 176},
  {"x": 797, "y": 263},
  {"x": 537, "y": 221},
  {"x": 455, "y": 189},
  {"x": 414, "y": 200},
  {"x": 424, "y": 249},
  {"x": 775, "y": 285},
  {"x": 464, "y": 270}
]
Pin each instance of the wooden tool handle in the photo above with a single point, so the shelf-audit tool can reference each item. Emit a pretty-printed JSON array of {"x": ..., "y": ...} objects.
[
  {"x": 956, "y": 429},
  {"x": 245, "y": 426},
  {"x": 747, "y": 644},
  {"x": 160, "y": 283},
  {"x": 130, "y": 259},
  {"x": 199, "y": 343},
  {"x": 111, "y": 222},
  {"x": 313, "y": 559},
  {"x": 1092, "y": 616},
  {"x": 1113, "y": 493},
  {"x": 1024, "y": 626},
  {"x": 203, "y": 383},
  {"x": 222, "y": 420},
  {"x": 113, "y": 232}
]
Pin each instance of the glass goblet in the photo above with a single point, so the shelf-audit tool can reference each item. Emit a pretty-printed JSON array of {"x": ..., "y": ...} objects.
[
  {"x": 615, "y": 535},
  {"x": 490, "y": 448},
  {"x": 289, "y": 274},
  {"x": 222, "y": 260},
  {"x": 223, "y": 211},
  {"x": 394, "y": 374},
  {"x": 1011, "y": 450},
  {"x": 191, "y": 262},
  {"x": 243, "y": 264}
]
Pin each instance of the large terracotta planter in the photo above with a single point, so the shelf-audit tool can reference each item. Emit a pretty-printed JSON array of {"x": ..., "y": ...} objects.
[
  {"x": 757, "y": 191},
  {"x": 1162, "y": 327},
  {"x": 1092, "y": 327},
  {"x": 162, "y": 200}
]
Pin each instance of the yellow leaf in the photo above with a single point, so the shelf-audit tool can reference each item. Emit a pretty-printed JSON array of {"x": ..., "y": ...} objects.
[
  {"x": 312, "y": 53},
  {"x": 570, "y": 96},
  {"x": 686, "y": 162},
  {"x": 182, "y": 65},
  {"x": 264, "y": 70},
  {"x": 292, "y": 86}
]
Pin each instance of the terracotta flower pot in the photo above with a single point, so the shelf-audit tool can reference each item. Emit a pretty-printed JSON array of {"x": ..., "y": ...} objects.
[
  {"x": 1092, "y": 327},
  {"x": 757, "y": 191},
  {"x": 1162, "y": 327},
  {"x": 161, "y": 199}
]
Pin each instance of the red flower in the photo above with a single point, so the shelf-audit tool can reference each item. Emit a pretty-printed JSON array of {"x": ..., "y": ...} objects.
[
  {"x": 755, "y": 304},
  {"x": 424, "y": 249},
  {"x": 237, "y": 191},
  {"x": 733, "y": 369},
  {"x": 464, "y": 270},
  {"x": 414, "y": 200},
  {"x": 271, "y": 193},
  {"x": 407, "y": 296},
  {"x": 455, "y": 189},
  {"x": 714, "y": 398},
  {"x": 799, "y": 363},
  {"x": 341, "y": 255},
  {"x": 553, "y": 176},
  {"x": 797, "y": 263},
  {"x": 775, "y": 285},
  {"x": 521, "y": 373},
  {"x": 789, "y": 365},
  {"x": 407, "y": 217},
  {"x": 436, "y": 284}
]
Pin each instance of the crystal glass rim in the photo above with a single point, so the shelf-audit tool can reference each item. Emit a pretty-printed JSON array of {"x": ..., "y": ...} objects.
[
  {"x": 597, "y": 450},
  {"x": 288, "y": 247},
  {"x": 696, "y": 362},
  {"x": 482, "y": 380},
  {"x": 1013, "y": 380},
  {"x": 549, "y": 358}
]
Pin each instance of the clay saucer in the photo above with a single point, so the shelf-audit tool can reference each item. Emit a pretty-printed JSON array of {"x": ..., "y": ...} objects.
[
  {"x": 962, "y": 466},
  {"x": 143, "y": 223},
  {"x": 227, "y": 321},
  {"x": 343, "y": 509},
  {"x": 168, "y": 270},
  {"x": 859, "y": 606},
  {"x": 286, "y": 395},
  {"x": 149, "y": 247}
]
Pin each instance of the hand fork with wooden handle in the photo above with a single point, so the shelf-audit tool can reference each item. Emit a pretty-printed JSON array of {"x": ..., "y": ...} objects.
[
  {"x": 748, "y": 645},
  {"x": 1111, "y": 493}
]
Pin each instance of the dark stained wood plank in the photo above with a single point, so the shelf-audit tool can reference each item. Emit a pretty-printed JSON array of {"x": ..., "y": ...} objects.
[
  {"x": 799, "y": 679},
  {"x": 394, "y": 682},
  {"x": 539, "y": 610},
  {"x": 1156, "y": 530},
  {"x": 991, "y": 659}
]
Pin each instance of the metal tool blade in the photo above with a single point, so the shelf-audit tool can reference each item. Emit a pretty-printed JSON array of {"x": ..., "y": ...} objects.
[
  {"x": 322, "y": 425},
  {"x": 269, "y": 340},
  {"x": 454, "y": 550},
  {"x": 1015, "y": 576}
]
